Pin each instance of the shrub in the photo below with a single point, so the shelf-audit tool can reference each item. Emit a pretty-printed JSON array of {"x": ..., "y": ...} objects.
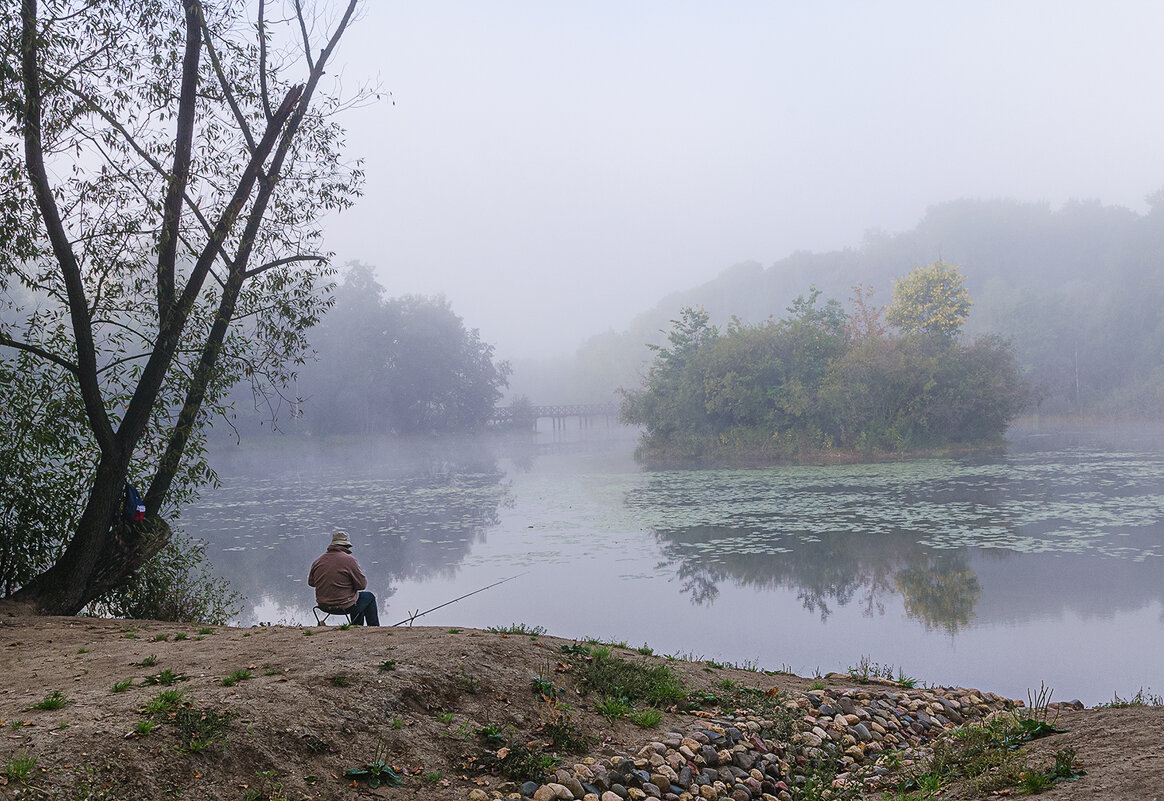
[{"x": 176, "y": 585}]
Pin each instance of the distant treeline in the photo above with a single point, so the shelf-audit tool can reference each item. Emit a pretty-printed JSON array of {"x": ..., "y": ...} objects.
[
  {"x": 1078, "y": 290},
  {"x": 822, "y": 383},
  {"x": 381, "y": 365}
]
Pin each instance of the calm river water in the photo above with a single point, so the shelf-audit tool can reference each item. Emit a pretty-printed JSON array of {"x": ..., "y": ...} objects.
[{"x": 1041, "y": 565}]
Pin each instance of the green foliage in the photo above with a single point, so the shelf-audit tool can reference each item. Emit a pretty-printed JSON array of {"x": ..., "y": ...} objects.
[
  {"x": 565, "y": 735},
  {"x": 177, "y": 585},
  {"x": 388, "y": 664},
  {"x": 237, "y": 676},
  {"x": 404, "y": 364},
  {"x": 618, "y": 678},
  {"x": 613, "y": 707},
  {"x": 930, "y": 301},
  {"x": 54, "y": 700},
  {"x": 803, "y": 388},
  {"x": 166, "y": 678},
  {"x": 164, "y": 702},
  {"x": 520, "y": 763},
  {"x": 19, "y": 767},
  {"x": 121, "y": 686},
  {"x": 377, "y": 772},
  {"x": 646, "y": 718}
]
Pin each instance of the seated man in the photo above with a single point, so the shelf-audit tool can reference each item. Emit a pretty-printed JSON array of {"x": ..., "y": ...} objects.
[{"x": 339, "y": 583}]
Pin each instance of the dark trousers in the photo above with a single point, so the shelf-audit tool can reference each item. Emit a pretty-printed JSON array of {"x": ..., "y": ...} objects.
[{"x": 363, "y": 611}]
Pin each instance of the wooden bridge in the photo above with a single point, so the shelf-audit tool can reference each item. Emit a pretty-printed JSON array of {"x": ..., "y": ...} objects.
[{"x": 586, "y": 413}]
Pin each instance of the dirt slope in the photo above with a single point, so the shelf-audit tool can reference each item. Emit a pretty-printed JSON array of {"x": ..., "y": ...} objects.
[{"x": 322, "y": 701}]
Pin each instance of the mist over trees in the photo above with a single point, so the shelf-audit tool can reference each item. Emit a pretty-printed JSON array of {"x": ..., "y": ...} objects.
[
  {"x": 821, "y": 383},
  {"x": 404, "y": 365},
  {"x": 1078, "y": 290},
  {"x": 163, "y": 168}
]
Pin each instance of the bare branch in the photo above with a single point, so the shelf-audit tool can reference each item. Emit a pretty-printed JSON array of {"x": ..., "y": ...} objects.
[
  {"x": 86, "y": 366},
  {"x": 226, "y": 88},
  {"x": 179, "y": 176},
  {"x": 263, "y": 91},
  {"x": 36, "y": 350},
  {"x": 280, "y": 262},
  {"x": 303, "y": 30}
]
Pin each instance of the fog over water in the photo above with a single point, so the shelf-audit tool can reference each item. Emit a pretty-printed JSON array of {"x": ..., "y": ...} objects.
[
  {"x": 556, "y": 168},
  {"x": 1043, "y": 563}
]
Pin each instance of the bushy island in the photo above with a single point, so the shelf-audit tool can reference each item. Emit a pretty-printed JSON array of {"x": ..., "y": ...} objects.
[{"x": 824, "y": 385}]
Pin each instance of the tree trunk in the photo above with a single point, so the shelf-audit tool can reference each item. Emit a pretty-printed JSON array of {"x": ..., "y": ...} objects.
[{"x": 105, "y": 551}]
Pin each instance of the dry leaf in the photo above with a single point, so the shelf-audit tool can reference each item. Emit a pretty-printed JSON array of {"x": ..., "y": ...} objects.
[{"x": 502, "y": 753}]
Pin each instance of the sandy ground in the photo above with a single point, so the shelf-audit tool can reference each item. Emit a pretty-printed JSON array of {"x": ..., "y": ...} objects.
[{"x": 321, "y": 701}]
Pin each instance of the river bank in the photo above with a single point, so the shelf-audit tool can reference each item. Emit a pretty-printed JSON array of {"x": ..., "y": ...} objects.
[{"x": 111, "y": 709}]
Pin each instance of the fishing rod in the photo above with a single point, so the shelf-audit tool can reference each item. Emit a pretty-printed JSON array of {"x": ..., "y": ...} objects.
[{"x": 415, "y": 615}]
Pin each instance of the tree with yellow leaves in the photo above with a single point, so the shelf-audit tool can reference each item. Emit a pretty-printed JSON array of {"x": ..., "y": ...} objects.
[{"x": 931, "y": 300}]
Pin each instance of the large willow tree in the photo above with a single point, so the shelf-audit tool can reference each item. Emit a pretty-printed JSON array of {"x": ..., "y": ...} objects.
[{"x": 163, "y": 165}]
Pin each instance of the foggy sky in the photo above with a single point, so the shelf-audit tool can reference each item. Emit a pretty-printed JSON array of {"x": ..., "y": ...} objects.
[{"x": 555, "y": 168}]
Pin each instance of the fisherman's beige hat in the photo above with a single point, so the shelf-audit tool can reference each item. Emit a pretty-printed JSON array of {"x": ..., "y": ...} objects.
[{"x": 341, "y": 538}]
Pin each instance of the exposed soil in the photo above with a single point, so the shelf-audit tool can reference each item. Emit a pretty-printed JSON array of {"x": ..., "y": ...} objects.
[{"x": 322, "y": 701}]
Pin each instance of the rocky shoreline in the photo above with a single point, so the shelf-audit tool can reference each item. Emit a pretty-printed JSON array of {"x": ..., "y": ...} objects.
[{"x": 837, "y": 733}]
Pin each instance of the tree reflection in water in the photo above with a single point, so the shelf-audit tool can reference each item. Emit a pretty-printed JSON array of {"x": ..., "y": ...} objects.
[
  {"x": 938, "y": 587},
  {"x": 413, "y": 514}
]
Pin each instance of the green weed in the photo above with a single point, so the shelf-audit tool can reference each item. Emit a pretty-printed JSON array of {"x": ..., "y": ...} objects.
[
  {"x": 388, "y": 664},
  {"x": 341, "y": 681},
  {"x": 164, "y": 702},
  {"x": 82, "y": 650},
  {"x": 181, "y": 635},
  {"x": 161, "y": 637},
  {"x": 1141, "y": 698},
  {"x": 645, "y": 650},
  {"x": 613, "y": 707},
  {"x": 520, "y": 763},
  {"x": 614, "y": 677},
  {"x": 19, "y": 767},
  {"x": 122, "y": 686},
  {"x": 565, "y": 735},
  {"x": 518, "y": 628},
  {"x": 149, "y": 661},
  {"x": 145, "y": 726},
  {"x": 237, "y": 676},
  {"x": 54, "y": 700},
  {"x": 646, "y": 718},
  {"x": 205, "y": 630},
  {"x": 166, "y": 678},
  {"x": 446, "y": 717}
]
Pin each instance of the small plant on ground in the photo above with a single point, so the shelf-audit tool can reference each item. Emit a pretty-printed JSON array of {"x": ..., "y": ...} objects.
[
  {"x": 19, "y": 768},
  {"x": 54, "y": 700},
  {"x": 613, "y": 707},
  {"x": 520, "y": 763},
  {"x": 1141, "y": 698},
  {"x": 164, "y": 702},
  {"x": 433, "y": 776},
  {"x": 818, "y": 685},
  {"x": 149, "y": 661},
  {"x": 454, "y": 631},
  {"x": 166, "y": 678},
  {"x": 205, "y": 630},
  {"x": 909, "y": 682},
  {"x": 728, "y": 684},
  {"x": 388, "y": 664},
  {"x": 181, "y": 635},
  {"x": 237, "y": 676},
  {"x": 160, "y": 637},
  {"x": 545, "y": 688},
  {"x": 468, "y": 684},
  {"x": 865, "y": 671},
  {"x": 122, "y": 686},
  {"x": 344, "y": 626},
  {"x": 377, "y": 772},
  {"x": 145, "y": 726},
  {"x": 82, "y": 651},
  {"x": 645, "y": 650},
  {"x": 200, "y": 729},
  {"x": 341, "y": 681},
  {"x": 269, "y": 788},
  {"x": 565, "y": 735},
  {"x": 517, "y": 628},
  {"x": 646, "y": 718},
  {"x": 491, "y": 733},
  {"x": 446, "y": 717},
  {"x": 612, "y": 676}
]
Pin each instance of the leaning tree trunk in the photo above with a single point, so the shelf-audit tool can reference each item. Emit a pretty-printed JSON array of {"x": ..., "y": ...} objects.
[{"x": 103, "y": 553}]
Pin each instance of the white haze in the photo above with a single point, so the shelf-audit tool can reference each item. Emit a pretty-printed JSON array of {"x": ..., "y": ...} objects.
[{"x": 555, "y": 168}]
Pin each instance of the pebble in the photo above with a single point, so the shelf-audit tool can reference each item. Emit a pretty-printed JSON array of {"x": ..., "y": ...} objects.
[{"x": 735, "y": 760}]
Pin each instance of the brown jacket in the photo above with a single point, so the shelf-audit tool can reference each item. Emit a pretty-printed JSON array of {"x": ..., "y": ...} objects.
[{"x": 337, "y": 578}]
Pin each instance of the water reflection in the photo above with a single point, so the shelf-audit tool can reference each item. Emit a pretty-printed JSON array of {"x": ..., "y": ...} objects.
[
  {"x": 413, "y": 514},
  {"x": 922, "y": 531}
]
